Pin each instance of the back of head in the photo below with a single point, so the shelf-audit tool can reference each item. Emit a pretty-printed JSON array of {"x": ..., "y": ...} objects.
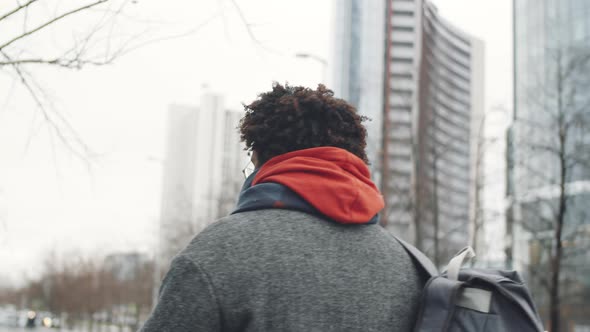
[{"x": 291, "y": 118}]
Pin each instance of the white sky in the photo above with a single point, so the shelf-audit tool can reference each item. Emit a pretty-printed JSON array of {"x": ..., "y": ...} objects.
[{"x": 50, "y": 200}]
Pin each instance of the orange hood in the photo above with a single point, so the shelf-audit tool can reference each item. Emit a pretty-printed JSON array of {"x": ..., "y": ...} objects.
[{"x": 334, "y": 181}]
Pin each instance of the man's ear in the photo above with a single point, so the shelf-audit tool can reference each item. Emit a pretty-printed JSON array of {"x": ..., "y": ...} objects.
[{"x": 254, "y": 158}]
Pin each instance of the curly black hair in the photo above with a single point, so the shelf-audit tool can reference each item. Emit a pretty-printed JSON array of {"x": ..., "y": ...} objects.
[{"x": 291, "y": 118}]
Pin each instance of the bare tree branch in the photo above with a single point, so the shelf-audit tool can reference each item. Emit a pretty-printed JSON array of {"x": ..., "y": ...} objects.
[
  {"x": 249, "y": 28},
  {"x": 56, "y": 128},
  {"x": 246, "y": 24},
  {"x": 17, "y": 9},
  {"x": 46, "y": 24},
  {"x": 84, "y": 51},
  {"x": 74, "y": 63},
  {"x": 172, "y": 37}
]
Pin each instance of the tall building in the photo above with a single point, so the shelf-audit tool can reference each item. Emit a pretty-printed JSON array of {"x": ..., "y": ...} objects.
[
  {"x": 549, "y": 146},
  {"x": 202, "y": 173},
  {"x": 420, "y": 80}
]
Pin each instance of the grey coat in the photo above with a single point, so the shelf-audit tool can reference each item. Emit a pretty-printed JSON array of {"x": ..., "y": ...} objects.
[{"x": 279, "y": 270}]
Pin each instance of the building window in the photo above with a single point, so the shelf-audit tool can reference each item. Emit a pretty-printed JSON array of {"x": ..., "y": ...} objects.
[
  {"x": 402, "y": 75},
  {"x": 402, "y": 28},
  {"x": 402, "y": 44},
  {"x": 401, "y": 60},
  {"x": 403, "y": 13}
]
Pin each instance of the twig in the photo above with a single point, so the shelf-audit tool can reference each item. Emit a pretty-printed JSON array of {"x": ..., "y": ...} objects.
[
  {"x": 61, "y": 62},
  {"x": 25, "y": 5},
  {"x": 166, "y": 38},
  {"x": 53, "y": 125},
  {"x": 9, "y": 96},
  {"x": 249, "y": 29},
  {"x": 51, "y": 22}
]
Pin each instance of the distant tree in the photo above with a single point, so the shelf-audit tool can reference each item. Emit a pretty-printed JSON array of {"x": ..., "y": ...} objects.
[
  {"x": 140, "y": 291},
  {"x": 86, "y": 292}
]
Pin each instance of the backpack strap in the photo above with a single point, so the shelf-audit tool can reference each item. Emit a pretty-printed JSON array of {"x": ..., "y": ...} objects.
[
  {"x": 421, "y": 259},
  {"x": 455, "y": 264},
  {"x": 439, "y": 300}
]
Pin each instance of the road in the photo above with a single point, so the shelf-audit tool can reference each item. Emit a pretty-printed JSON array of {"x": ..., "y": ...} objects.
[
  {"x": 22, "y": 329},
  {"x": 43, "y": 329},
  {"x": 38, "y": 329}
]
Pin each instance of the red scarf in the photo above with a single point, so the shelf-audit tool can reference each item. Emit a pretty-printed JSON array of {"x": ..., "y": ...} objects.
[{"x": 334, "y": 181}]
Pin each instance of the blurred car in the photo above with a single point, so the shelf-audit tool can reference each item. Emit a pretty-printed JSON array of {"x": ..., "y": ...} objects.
[
  {"x": 48, "y": 319},
  {"x": 31, "y": 320}
]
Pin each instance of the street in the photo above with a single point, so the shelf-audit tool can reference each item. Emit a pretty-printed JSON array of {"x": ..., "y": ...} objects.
[
  {"x": 22, "y": 329},
  {"x": 43, "y": 329}
]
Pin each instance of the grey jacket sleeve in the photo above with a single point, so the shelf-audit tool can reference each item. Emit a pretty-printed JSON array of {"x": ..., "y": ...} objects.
[{"x": 187, "y": 301}]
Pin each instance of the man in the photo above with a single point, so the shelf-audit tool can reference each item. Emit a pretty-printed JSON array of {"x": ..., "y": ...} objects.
[{"x": 303, "y": 251}]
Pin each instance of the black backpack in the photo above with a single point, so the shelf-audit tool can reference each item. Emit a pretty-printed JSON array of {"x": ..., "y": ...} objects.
[{"x": 461, "y": 300}]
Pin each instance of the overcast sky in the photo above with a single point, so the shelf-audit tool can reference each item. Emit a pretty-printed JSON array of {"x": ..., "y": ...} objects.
[{"x": 49, "y": 200}]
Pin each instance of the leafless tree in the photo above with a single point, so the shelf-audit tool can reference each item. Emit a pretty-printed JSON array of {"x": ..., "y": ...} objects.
[
  {"x": 553, "y": 157},
  {"x": 96, "y": 45},
  {"x": 421, "y": 197},
  {"x": 97, "y": 39}
]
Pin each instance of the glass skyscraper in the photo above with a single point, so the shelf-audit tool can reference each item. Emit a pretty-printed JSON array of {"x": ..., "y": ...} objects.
[{"x": 550, "y": 137}]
